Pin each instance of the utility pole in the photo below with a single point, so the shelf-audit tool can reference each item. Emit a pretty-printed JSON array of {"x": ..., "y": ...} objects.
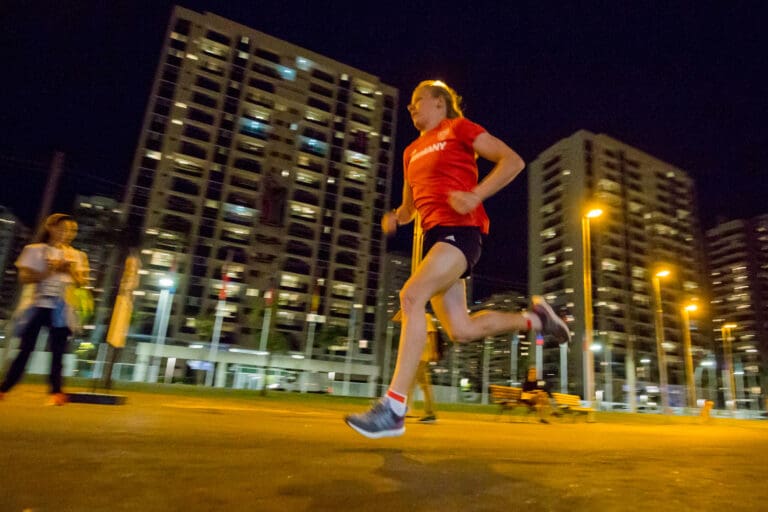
[{"x": 54, "y": 173}]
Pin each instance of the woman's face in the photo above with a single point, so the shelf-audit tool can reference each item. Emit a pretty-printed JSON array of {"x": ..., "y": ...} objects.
[
  {"x": 70, "y": 231},
  {"x": 63, "y": 232},
  {"x": 426, "y": 110}
]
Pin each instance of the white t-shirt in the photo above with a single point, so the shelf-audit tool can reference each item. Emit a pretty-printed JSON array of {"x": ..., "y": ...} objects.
[{"x": 48, "y": 291}]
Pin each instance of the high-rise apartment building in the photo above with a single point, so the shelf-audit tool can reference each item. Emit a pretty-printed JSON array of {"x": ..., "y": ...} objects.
[
  {"x": 501, "y": 359},
  {"x": 100, "y": 237},
  {"x": 13, "y": 236},
  {"x": 738, "y": 263},
  {"x": 500, "y": 356},
  {"x": 262, "y": 167},
  {"x": 396, "y": 271},
  {"x": 649, "y": 222}
]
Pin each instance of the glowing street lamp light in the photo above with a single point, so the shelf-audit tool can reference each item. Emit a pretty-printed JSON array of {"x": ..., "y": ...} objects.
[
  {"x": 727, "y": 332},
  {"x": 689, "y": 381},
  {"x": 589, "y": 364},
  {"x": 593, "y": 213},
  {"x": 659, "y": 324}
]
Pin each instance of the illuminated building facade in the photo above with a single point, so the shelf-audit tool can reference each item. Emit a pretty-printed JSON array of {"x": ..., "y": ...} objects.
[
  {"x": 99, "y": 236},
  {"x": 270, "y": 164},
  {"x": 13, "y": 236},
  {"x": 649, "y": 221},
  {"x": 738, "y": 262},
  {"x": 504, "y": 357}
]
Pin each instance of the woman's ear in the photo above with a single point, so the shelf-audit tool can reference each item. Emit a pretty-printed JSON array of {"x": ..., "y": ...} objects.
[{"x": 441, "y": 102}]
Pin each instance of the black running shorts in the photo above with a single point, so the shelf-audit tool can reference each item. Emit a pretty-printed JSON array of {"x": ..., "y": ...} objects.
[{"x": 467, "y": 239}]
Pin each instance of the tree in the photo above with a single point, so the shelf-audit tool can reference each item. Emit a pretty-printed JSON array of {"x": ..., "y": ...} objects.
[
  {"x": 277, "y": 342},
  {"x": 329, "y": 335},
  {"x": 204, "y": 326}
]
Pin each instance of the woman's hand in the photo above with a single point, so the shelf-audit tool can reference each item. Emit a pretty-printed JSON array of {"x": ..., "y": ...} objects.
[
  {"x": 463, "y": 202},
  {"x": 389, "y": 223},
  {"x": 63, "y": 266}
]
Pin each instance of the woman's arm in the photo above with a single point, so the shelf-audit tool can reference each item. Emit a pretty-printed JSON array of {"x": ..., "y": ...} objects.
[
  {"x": 406, "y": 211},
  {"x": 28, "y": 275},
  {"x": 403, "y": 214},
  {"x": 80, "y": 270},
  {"x": 508, "y": 165}
]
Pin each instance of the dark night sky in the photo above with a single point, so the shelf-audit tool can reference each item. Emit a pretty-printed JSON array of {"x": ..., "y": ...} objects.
[{"x": 685, "y": 83}]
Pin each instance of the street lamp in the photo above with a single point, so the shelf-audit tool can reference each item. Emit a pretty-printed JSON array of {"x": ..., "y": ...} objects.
[
  {"x": 689, "y": 380},
  {"x": 661, "y": 355},
  {"x": 596, "y": 348},
  {"x": 727, "y": 332},
  {"x": 589, "y": 365},
  {"x": 646, "y": 362},
  {"x": 161, "y": 323},
  {"x": 351, "y": 342}
]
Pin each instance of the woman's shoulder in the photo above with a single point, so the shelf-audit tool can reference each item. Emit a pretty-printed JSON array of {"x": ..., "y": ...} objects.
[
  {"x": 465, "y": 129},
  {"x": 75, "y": 254},
  {"x": 32, "y": 256},
  {"x": 464, "y": 123},
  {"x": 35, "y": 248}
]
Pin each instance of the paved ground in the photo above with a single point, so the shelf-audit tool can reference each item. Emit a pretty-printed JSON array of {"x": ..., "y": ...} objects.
[{"x": 161, "y": 452}]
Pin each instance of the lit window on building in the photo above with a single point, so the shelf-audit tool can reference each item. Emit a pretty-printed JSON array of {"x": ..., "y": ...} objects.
[
  {"x": 303, "y": 63},
  {"x": 358, "y": 159},
  {"x": 287, "y": 73},
  {"x": 313, "y": 146},
  {"x": 303, "y": 211},
  {"x": 549, "y": 233},
  {"x": 343, "y": 290},
  {"x": 161, "y": 259},
  {"x": 254, "y": 128}
]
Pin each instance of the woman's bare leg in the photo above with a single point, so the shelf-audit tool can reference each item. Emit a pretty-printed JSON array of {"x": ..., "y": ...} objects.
[
  {"x": 439, "y": 270},
  {"x": 450, "y": 307}
]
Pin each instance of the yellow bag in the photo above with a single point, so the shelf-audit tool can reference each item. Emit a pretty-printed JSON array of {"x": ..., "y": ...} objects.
[{"x": 82, "y": 301}]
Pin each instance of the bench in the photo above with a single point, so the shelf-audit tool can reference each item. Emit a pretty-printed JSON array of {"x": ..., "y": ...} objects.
[
  {"x": 508, "y": 397},
  {"x": 571, "y": 404}
]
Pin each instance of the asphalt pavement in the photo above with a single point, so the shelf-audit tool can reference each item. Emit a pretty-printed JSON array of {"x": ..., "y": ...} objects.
[{"x": 170, "y": 452}]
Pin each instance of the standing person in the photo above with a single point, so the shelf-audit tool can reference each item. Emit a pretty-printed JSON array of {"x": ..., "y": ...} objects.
[
  {"x": 536, "y": 394},
  {"x": 121, "y": 314},
  {"x": 49, "y": 270},
  {"x": 441, "y": 185},
  {"x": 423, "y": 379}
]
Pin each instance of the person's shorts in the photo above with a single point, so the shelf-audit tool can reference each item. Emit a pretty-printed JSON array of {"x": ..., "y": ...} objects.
[{"x": 467, "y": 239}]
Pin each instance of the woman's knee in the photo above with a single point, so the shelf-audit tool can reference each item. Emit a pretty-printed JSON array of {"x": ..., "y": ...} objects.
[{"x": 411, "y": 301}]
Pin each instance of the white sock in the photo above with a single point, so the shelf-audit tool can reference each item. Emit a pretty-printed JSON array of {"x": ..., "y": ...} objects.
[
  {"x": 397, "y": 406},
  {"x": 533, "y": 318}
]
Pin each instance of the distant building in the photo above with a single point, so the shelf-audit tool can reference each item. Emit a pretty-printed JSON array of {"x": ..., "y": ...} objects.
[
  {"x": 397, "y": 270},
  {"x": 270, "y": 163},
  {"x": 738, "y": 261},
  {"x": 100, "y": 236},
  {"x": 649, "y": 221},
  {"x": 460, "y": 360},
  {"x": 506, "y": 356},
  {"x": 13, "y": 237}
]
